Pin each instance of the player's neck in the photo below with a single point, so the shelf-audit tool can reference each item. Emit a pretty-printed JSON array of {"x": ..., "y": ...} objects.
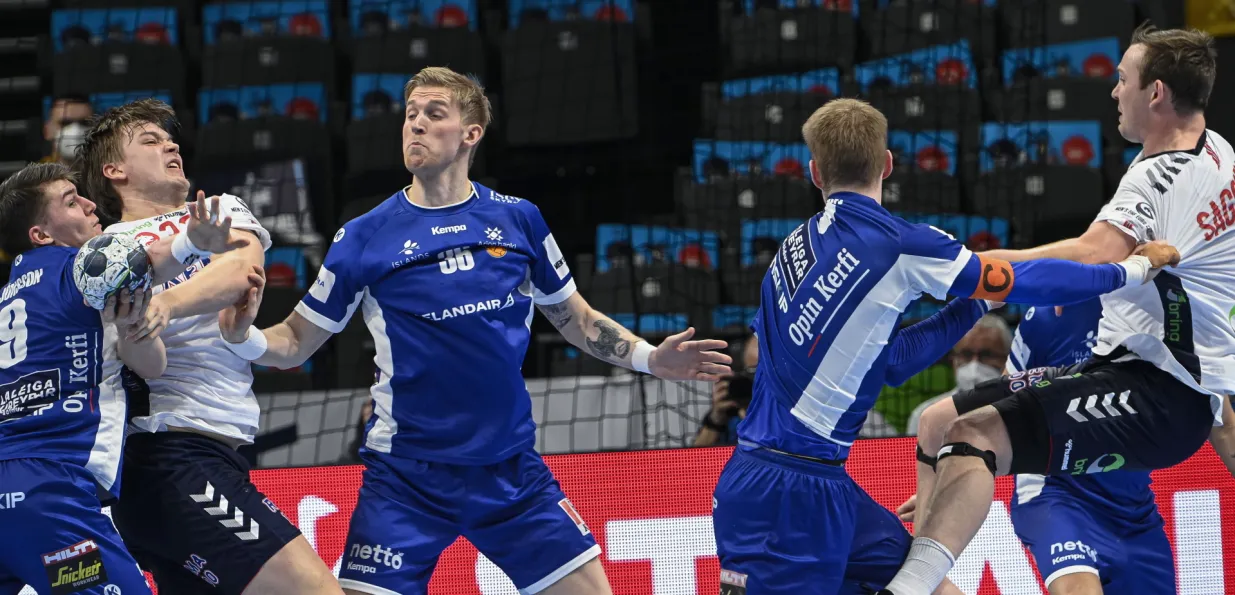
[
  {"x": 138, "y": 206},
  {"x": 873, "y": 192},
  {"x": 1179, "y": 134},
  {"x": 435, "y": 191}
]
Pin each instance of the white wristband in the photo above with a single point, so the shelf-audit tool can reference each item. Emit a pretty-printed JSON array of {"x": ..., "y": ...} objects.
[
  {"x": 184, "y": 251},
  {"x": 254, "y": 345},
  {"x": 1137, "y": 269},
  {"x": 639, "y": 359}
]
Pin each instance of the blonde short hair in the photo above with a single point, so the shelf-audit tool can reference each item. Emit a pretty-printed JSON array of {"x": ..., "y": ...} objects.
[
  {"x": 848, "y": 140},
  {"x": 466, "y": 90}
]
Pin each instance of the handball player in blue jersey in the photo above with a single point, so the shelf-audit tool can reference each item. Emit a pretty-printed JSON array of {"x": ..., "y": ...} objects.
[
  {"x": 62, "y": 406},
  {"x": 447, "y": 273},
  {"x": 788, "y": 518},
  {"x": 1088, "y": 531}
]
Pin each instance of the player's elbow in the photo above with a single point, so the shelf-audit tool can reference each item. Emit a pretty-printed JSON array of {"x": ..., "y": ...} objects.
[{"x": 897, "y": 375}]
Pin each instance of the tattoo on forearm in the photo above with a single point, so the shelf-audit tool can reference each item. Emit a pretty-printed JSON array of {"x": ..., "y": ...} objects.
[
  {"x": 558, "y": 314},
  {"x": 609, "y": 345}
]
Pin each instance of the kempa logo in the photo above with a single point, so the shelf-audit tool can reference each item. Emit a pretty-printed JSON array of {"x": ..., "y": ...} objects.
[{"x": 437, "y": 231}]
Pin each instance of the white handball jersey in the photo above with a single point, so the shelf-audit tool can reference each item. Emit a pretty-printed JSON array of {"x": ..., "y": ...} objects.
[
  {"x": 1182, "y": 322},
  {"x": 206, "y": 387}
]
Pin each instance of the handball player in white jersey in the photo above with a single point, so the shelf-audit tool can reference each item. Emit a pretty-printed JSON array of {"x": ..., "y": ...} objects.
[
  {"x": 1165, "y": 355},
  {"x": 448, "y": 272},
  {"x": 189, "y": 513}
]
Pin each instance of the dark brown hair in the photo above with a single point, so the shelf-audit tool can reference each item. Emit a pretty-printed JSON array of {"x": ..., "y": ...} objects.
[
  {"x": 104, "y": 144},
  {"x": 1183, "y": 59},
  {"x": 23, "y": 201}
]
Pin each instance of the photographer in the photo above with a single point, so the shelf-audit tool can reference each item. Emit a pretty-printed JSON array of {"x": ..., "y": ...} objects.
[{"x": 730, "y": 397}]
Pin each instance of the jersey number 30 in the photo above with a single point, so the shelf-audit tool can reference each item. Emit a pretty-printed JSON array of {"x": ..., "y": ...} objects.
[{"x": 12, "y": 334}]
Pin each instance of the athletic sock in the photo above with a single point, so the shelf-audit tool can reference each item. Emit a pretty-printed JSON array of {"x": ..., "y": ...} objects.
[{"x": 924, "y": 570}]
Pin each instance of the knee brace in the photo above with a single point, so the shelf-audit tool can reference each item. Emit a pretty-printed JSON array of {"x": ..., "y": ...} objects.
[
  {"x": 925, "y": 458},
  {"x": 964, "y": 449}
]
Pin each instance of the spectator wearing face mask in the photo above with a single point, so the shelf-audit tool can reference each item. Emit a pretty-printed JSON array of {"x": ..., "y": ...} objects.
[
  {"x": 979, "y": 356},
  {"x": 65, "y": 127}
]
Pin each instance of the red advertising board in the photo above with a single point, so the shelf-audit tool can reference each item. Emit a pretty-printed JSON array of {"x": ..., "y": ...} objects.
[{"x": 651, "y": 514}]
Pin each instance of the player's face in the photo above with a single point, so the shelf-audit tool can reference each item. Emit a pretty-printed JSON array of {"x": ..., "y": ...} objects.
[
  {"x": 1133, "y": 100},
  {"x": 152, "y": 164},
  {"x": 68, "y": 218},
  {"x": 433, "y": 130}
]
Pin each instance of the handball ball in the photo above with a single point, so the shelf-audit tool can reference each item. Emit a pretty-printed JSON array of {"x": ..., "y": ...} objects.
[{"x": 108, "y": 264}]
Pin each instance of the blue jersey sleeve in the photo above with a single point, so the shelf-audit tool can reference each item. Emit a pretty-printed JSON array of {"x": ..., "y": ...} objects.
[
  {"x": 935, "y": 259},
  {"x": 917, "y": 347},
  {"x": 1020, "y": 357},
  {"x": 340, "y": 283},
  {"x": 1045, "y": 282},
  {"x": 551, "y": 278}
]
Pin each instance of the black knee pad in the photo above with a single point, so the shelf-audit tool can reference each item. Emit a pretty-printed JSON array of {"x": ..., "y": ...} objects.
[
  {"x": 925, "y": 458},
  {"x": 964, "y": 449}
]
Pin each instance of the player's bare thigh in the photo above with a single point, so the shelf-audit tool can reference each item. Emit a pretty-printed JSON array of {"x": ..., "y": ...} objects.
[
  {"x": 588, "y": 579},
  {"x": 1077, "y": 583},
  {"x": 295, "y": 570}
]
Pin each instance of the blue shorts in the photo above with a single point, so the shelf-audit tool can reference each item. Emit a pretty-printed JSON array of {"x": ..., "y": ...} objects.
[
  {"x": 1066, "y": 535},
  {"x": 788, "y": 525},
  {"x": 514, "y": 512},
  {"x": 60, "y": 540}
]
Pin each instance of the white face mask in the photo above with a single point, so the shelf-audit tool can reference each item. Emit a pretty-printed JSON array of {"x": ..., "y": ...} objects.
[
  {"x": 69, "y": 139},
  {"x": 974, "y": 373}
]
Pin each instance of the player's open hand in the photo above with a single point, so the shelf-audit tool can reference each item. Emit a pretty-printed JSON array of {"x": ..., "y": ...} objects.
[
  {"x": 679, "y": 358},
  {"x": 208, "y": 229},
  {"x": 907, "y": 510},
  {"x": 234, "y": 322},
  {"x": 1159, "y": 253}
]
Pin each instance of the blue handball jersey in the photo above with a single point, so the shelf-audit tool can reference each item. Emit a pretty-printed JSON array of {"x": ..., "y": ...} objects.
[
  {"x": 831, "y": 301},
  {"x": 56, "y": 399},
  {"x": 448, "y": 296},
  {"x": 1047, "y": 339}
]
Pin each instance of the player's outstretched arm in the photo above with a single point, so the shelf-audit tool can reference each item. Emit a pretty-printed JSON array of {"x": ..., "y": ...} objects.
[
  {"x": 285, "y": 345},
  {"x": 1102, "y": 243},
  {"x": 1223, "y": 437},
  {"x": 677, "y": 358},
  {"x": 1050, "y": 282}
]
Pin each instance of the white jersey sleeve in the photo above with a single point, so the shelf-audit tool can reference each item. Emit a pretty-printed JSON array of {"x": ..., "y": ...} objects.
[
  {"x": 1133, "y": 209},
  {"x": 242, "y": 218}
]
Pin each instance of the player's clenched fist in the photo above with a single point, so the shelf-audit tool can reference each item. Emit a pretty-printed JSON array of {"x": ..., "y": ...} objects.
[{"x": 1159, "y": 253}]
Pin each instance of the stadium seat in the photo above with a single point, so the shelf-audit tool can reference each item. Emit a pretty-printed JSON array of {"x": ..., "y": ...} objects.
[
  {"x": 1045, "y": 203},
  {"x": 777, "y": 40},
  {"x": 656, "y": 289},
  {"x": 407, "y": 51},
  {"x": 265, "y": 61},
  {"x": 569, "y": 82},
  {"x": 118, "y": 67},
  {"x": 896, "y": 26},
  {"x": 1035, "y": 22},
  {"x": 722, "y": 204}
]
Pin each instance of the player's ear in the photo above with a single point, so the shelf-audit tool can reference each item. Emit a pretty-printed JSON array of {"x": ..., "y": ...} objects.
[
  {"x": 114, "y": 171},
  {"x": 887, "y": 164},
  {"x": 40, "y": 237},
  {"x": 814, "y": 175},
  {"x": 473, "y": 134}
]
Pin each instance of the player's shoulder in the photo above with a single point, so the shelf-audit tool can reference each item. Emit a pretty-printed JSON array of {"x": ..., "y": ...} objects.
[
  {"x": 1158, "y": 173},
  {"x": 360, "y": 230},
  {"x": 924, "y": 239},
  {"x": 513, "y": 205}
]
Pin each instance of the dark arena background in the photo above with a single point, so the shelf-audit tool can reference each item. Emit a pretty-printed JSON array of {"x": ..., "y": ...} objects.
[{"x": 661, "y": 140}]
